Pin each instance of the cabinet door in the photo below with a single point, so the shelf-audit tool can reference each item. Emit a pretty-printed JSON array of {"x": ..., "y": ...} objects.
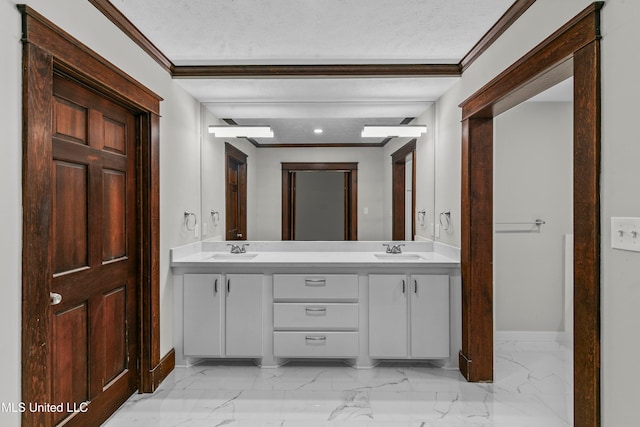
[
  {"x": 203, "y": 296},
  {"x": 244, "y": 315},
  {"x": 429, "y": 316},
  {"x": 388, "y": 316}
]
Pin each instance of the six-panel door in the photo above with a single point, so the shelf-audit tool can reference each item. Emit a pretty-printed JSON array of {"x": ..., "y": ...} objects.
[{"x": 94, "y": 260}]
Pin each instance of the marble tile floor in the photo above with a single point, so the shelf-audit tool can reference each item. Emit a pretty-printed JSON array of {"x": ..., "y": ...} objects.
[{"x": 533, "y": 388}]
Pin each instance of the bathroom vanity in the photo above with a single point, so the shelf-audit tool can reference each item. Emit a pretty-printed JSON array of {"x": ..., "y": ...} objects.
[{"x": 323, "y": 300}]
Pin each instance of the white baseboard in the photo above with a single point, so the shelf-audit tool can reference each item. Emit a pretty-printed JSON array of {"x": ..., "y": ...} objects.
[{"x": 531, "y": 336}]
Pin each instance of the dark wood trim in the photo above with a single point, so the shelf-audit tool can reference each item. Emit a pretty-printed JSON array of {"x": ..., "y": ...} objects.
[
  {"x": 68, "y": 53},
  {"x": 233, "y": 154},
  {"x": 149, "y": 205},
  {"x": 288, "y": 195},
  {"x": 476, "y": 248},
  {"x": 586, "y": 226},
  {"x": 318, "y": 166},
  {"x": 114, "y": 15},
  {"x": 163, "y": 368},
  {"x": 577, "y": 44},
  {"x": 543, "y": 58},
  {"x": 47, "y": 49},
  {"x": 231, "y": 151},
  {"x": 510, "y": 16},
  {"x": 398, "y": 186},
  {"x": 320, "y": 70},
  {"x": 37, "y": 89}
]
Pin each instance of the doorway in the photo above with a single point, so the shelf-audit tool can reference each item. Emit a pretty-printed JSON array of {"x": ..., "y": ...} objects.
[
  {"x": 345, "y": 175},
  {"x": 573, "y": 50},
  {"x": 236, "y": 193},
  {"x": 403, "y": 192}
]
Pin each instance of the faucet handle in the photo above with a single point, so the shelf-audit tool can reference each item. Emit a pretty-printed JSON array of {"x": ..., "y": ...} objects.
[
  {"x": 243, "y": 247},
  {"x": 388, "y": 247}
]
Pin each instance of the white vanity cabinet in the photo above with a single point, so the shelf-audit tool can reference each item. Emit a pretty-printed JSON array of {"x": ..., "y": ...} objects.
[
  {"x": 408, "y": 316},
  {"x": 315, "y": 316},
  {"x": 223, "y": 315}
]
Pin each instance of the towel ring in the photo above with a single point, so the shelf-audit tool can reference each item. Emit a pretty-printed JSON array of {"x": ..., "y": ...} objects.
[
  {"x": 445, "y": 220},
  {"x": 187, "y": 221},
  {"x": 215, "y": 217}
]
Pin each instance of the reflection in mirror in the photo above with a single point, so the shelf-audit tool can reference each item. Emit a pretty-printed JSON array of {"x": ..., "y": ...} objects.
[
  {"x": 319, "y": 207},
  {"x": 340, "y": 142}
]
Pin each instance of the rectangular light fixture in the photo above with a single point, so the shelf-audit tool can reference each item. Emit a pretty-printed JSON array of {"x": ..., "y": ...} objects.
[
  {"x": 375, "y": 131},
  {"x": 241, "y": 131}
]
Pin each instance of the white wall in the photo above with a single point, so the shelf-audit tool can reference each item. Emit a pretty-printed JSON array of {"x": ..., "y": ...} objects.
[
  {"x": 620, "y": 286},
  {"x": 10, "y": 208},
  {"x": 533, "y": 178},
  {"x": 179, "y": 162},
  {"x": 269, "y": 186}
]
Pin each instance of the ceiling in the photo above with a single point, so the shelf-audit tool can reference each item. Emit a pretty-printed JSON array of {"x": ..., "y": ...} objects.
[{"x": 312, "y": 32}]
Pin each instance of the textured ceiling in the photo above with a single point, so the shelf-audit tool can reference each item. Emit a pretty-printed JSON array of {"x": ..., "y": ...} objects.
[{"x": 240, "y": 32}]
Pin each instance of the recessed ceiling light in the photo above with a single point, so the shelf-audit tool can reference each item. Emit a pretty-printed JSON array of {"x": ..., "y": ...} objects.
[
  {"x": 373, "y": 131},
  {"x": 318, "y": 131},
  {"x": 241, "y": 131}
]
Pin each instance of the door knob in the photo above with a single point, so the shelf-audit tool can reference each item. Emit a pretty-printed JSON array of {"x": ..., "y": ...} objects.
[{"x": 55, "y": 298}]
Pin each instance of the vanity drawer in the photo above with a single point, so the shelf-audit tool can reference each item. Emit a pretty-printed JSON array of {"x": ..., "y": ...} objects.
[
  {"x": 315, "y": 287},
  {"x": 315, "y": 344},
  {"x": 328, "y": 316}
]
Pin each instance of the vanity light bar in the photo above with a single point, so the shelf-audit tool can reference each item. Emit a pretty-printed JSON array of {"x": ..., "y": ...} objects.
[
  {"x": 374, "y": 131},
  {"x": 241, "y": 131}
]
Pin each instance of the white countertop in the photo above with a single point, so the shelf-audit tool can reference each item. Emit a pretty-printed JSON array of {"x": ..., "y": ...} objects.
[{"x": 201, "y": 257}]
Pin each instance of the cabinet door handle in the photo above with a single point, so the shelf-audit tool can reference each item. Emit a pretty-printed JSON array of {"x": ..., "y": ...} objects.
[
  {"x": 316, "y": 339},
  {"x": 215, "y": 287},
  {"x": 403, "y": 287},
  {"x": 228, "y": 286},
  {"x": 415, "y": 286},
  {"x": 315, "y": 282},
  {"x": 315, "y": 309}
]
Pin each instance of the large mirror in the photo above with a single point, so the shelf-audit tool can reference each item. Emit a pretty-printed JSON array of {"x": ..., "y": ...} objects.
[{"x": 331, "y": 183}]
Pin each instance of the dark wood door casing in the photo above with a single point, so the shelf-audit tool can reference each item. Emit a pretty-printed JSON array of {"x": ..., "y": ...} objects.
[
  {"x": 573, "y": 50},
  {"x": 235, "y": 193},
  {"x": 351, "y": 195},
  {"x": 398, "y": 165},
  {"x": 48, "y": 50}
]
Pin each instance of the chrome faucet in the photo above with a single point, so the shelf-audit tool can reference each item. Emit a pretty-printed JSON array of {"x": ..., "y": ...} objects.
[
  {"x": 393, "y": 249},
  {"x": 238, "y": 249}
]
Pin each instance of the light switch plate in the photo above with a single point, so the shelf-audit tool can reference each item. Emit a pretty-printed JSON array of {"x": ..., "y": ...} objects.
[{"x": 625, "y": 233}]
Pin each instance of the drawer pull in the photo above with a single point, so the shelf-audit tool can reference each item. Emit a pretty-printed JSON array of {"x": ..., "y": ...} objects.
[
  {"x": 315, "y": 339},
  {"x": 314, "y": 310},
  {"x": 215, "y": 287},
  {"x": 315, "y": 282}
]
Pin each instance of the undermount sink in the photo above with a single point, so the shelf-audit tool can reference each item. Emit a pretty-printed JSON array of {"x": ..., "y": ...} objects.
[
  {"x": 399, "y": 257},
  {"x": 235, "y": 257}
]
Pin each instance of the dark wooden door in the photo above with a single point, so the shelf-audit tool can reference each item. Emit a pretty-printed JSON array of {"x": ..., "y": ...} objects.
[
  {"x": 94, "y": 265},
  {"x": 236, "y": 194}
]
